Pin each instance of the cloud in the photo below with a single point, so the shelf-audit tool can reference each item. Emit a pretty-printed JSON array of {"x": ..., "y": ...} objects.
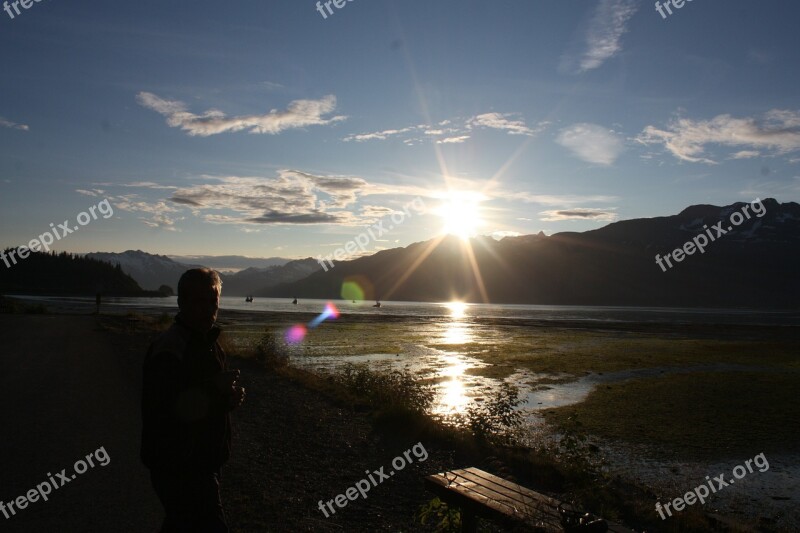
[
  {"x": 552, "y": 199},
  {"x": 746, "y": 154},
  {"x": 13, "y": 125},
  {"x": 160, "y": 222},
  {"x": 378, "y": 135},
  {"x": 578, "y": 213},
  {"x": 456, "y": 133},
  {"x": 299, "y": 114},
  {"x": 501, "y": 121},
  {"x": 591, "y": 143},
  {"x": 453, "y": 140},
  {"x": 777, "y": 131},
  {"x": 293, "y": 197},
  {"x": 159, "y": 212},
  {"x": 137, "y": 185},
  {"x": 604, "y": 35},
  {"x": 498, "y": 235},
  {"x": 92, "y": 192}
]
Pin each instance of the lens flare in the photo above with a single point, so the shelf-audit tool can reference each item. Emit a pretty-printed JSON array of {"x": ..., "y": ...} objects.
[
  {"x": 296, "y": 334},
  {"x": 351, "y": 290},
  {"x": 329, "y": 312}
]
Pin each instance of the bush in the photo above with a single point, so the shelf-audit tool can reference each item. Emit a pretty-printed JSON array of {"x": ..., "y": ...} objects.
[
  {"x": 446, "y": 518},
  {"x": 498, "y": 419},
  {"x": 397, "y": 390}
]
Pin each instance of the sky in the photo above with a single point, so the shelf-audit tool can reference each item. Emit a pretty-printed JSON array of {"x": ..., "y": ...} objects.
[{"x": 266, "y": 128}]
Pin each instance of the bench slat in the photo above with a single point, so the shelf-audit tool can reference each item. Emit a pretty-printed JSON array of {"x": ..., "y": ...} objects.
[
  {"x": 474, "y": 495},
  {"x": 483, "y": 494},
  {"x": 515, "y": 491}
]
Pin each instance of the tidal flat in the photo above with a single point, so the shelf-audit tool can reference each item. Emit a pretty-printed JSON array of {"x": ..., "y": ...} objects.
[{"x": 665, "y": 404}]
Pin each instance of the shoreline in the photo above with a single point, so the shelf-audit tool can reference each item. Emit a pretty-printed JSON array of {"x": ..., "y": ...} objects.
[{"x": 236, "y": 320}]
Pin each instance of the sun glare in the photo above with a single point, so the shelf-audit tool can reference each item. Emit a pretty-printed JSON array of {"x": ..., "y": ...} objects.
[
  {"x": 460, "y": 213},
  {"x": 457, "y": 309}
]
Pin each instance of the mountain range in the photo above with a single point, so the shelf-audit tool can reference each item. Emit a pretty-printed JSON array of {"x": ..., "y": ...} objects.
[
  {"x": 153, "y": 271},
  {"x": 753, "y": 264}
]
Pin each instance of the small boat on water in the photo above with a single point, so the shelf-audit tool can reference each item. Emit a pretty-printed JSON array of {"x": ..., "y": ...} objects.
[
  {"x": 294, "y": 301},
  {"x": 248, "y": 299},
  {"x": 377, "y": 303}
]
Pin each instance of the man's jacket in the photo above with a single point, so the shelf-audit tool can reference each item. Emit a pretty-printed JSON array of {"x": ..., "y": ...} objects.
[{"x": 185, "y": 421}]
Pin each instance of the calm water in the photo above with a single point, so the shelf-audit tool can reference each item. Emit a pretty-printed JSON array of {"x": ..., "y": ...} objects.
[{"x": 589, "y": 314}]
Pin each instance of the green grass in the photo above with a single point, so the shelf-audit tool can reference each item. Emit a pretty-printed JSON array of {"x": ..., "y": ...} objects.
[{"x": 699, "y": 415}]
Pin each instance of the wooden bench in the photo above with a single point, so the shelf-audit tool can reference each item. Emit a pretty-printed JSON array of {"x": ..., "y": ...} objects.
[{"x": 481, "y": 494}]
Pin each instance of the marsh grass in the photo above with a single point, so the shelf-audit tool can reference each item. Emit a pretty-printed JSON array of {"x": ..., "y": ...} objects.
[{"x": 698, "y": 415}]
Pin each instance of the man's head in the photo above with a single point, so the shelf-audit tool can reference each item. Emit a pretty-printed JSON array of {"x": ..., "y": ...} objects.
[{"x": 199, "y": 290}]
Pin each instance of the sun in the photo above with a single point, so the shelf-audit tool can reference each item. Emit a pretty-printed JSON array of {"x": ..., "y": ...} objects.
[{"x": 460, "y": 213}]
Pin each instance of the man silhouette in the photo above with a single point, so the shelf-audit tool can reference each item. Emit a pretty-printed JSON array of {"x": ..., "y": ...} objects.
[{"x": 187, "y": 394}]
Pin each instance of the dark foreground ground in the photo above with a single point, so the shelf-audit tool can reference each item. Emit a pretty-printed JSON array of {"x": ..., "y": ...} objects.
[{"x": 70, "y": 385}]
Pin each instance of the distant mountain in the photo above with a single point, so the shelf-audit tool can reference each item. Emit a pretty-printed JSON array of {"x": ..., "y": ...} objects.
[
  {"x": 257, "y": 281},
  {"x": 754, "y": 264},
  {"x": 65, "y": 274},
  {"x": 230, "y": 262},
  {"x": 153, "y": 271},
  {"x": 150, "y": 271}
]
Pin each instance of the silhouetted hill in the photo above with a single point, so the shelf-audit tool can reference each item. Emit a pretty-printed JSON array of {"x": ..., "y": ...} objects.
[
  {"x": 153, "y": 271},
  {"x": 753, "y": 265},
  {"x": 67, "y": 274},
  {"x": 234, "y": 263},
  {"x": 256, "y": 281},
  {"x": 149, "y": 270}
]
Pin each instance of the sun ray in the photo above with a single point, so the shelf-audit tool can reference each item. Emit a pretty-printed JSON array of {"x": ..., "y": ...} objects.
[
  {"x": 476, "y": 272},
  {"x": 431, "y": 246}
]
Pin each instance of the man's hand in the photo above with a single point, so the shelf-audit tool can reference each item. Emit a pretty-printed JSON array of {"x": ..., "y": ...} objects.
[
  {"x": 224, "y": 381},
  {"x": 227, "y": 385},
  {"x": 237, "y": 397}
]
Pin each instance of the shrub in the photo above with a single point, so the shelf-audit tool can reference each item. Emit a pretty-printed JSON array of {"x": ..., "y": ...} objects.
[
  {"x": 497, "y": 419},
  {"x": 397, "y": 390}
]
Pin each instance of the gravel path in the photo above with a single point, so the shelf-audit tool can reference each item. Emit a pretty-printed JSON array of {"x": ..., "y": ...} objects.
[
  {"x": 69, "y": 387},
  {"x": 65, "y": 392}
]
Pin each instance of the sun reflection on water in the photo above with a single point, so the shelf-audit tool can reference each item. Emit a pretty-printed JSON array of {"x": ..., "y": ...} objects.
[
  {"x": 457, "y": 309},
  {"x": 452, "y": 392},
  {"x": 456, "y": 333}
]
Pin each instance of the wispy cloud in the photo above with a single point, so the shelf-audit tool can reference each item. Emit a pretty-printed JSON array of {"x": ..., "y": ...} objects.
[
  {"x": 453, "y": 140},
  {"x": 457, "y": 130},
  {"x": 578, "y": 213},
  {"x": 161, "y": 215},
  {"x": 556, "y": 199},
  {"x": 746, "y": 154},
  {"x": 603, "y": 38},
  {"x": 500, "y": 121},
  {"x": 4, "y": 123},
  {"x": 378, "y": 135},
  {"x": 778, "y": 131},
  {"x": 293, "y": 197},
  {"x": 299, "y": 114},
  {"x": 591, "y": 143},
  {"x": 91, "y": 192}
]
